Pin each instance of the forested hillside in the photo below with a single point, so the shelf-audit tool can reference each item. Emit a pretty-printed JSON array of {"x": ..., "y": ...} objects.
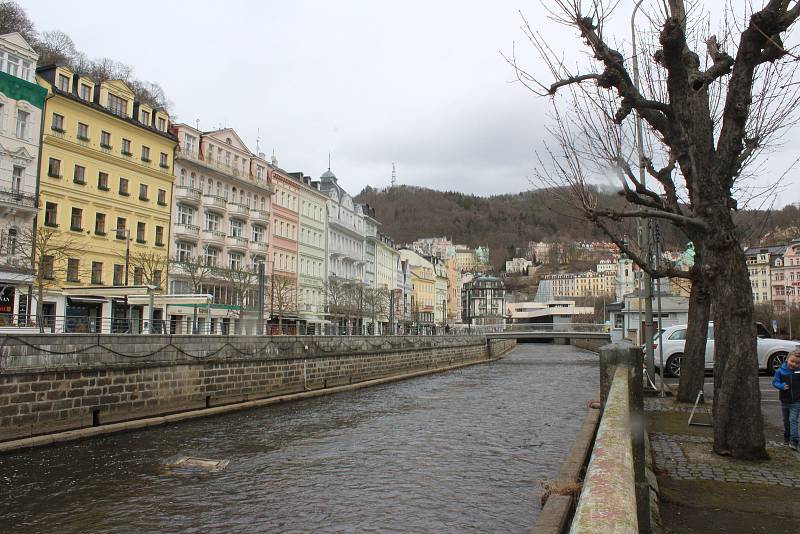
[{"x": 506, "y": 222}]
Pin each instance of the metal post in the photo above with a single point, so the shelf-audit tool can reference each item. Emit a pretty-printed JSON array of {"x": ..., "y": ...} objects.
[
  {"x": 261, "y": 298},
  {"x": 645, "y": 236}
]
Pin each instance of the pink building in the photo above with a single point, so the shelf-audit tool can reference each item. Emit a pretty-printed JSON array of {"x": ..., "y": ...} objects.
[{"x": 786, "y": 278}]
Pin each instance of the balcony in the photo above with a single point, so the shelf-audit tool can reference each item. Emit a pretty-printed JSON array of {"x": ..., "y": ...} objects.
[
  {"x": 238, "y": 209},
  {"x": 213, "y": 201},
  {"x": 14, "y": 200},
  {"x": 187, "y": 231},
  {"x": 213, "y": 237},
  {"x": 259, "y": 246},
  {"x": 259, "y": 215},
  {"x": 239, "y": 243},
  {"x": 189, "y": 195}
]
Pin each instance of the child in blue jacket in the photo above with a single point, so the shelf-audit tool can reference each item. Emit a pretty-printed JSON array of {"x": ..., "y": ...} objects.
[{"x": 787, "y": 380}]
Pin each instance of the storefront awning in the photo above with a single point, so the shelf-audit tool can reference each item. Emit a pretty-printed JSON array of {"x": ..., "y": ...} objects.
[
  {"x": 159, "y": 301},
  {"x": 106, "y": 292},
  {"x": 86, "y": 300}
]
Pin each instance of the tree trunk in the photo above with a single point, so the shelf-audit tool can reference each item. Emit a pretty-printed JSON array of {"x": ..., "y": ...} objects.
[
  {"x": 738, "y": 422},
  {"x": 694, "y": 354}
]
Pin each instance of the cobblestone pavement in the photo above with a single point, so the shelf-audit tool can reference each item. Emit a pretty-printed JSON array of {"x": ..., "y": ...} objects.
[{"x": 690, "y": 458}]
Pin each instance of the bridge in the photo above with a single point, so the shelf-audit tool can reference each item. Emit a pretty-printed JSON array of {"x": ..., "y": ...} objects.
[{"x": 556, "y": 333}]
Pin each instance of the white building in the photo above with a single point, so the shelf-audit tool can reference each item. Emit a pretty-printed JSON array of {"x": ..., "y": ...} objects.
[
  {"x": 518, "y": 265},
  {"x": 21, "y": 105}
]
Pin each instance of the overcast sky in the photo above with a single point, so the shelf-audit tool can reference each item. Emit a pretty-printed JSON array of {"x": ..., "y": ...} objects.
[{"x": 420, "y": 84}]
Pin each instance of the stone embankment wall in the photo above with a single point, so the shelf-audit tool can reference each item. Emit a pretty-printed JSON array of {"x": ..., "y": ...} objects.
[
  {"x": 592, "y": 345},
  {"x": 54, "y": 383}
]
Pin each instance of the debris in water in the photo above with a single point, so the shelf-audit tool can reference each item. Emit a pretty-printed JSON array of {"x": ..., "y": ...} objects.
[{"x": 199, "y": 464}]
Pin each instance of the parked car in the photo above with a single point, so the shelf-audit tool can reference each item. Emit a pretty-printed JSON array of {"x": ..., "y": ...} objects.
[{"x": 771, "y": 352}]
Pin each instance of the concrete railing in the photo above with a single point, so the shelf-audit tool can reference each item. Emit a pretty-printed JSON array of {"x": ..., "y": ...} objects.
[
  {"x": 608, "y": 499},
  {"x": 615, "y": 495}
]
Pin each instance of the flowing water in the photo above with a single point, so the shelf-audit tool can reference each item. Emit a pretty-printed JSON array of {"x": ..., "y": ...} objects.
[{"x": 462, "y": 451}]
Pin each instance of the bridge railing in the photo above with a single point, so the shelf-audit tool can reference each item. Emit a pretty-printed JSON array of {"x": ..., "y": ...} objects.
[{"x": 541, "y": 328}]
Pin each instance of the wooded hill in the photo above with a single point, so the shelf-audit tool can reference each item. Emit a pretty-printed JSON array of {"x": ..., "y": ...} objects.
[{"x": 505, "y": 223}]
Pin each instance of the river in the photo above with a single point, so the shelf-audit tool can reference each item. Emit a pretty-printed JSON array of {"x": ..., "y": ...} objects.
[{"x": 461, "y": 451}]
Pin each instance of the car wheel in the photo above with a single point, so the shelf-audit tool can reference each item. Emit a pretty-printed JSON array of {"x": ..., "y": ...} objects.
[
  {"x": 673, "y": 365},
  {"x": 775, "y": 361}
]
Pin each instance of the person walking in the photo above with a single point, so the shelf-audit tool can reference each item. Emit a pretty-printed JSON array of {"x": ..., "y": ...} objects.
[{"x": 787, "y": 382}]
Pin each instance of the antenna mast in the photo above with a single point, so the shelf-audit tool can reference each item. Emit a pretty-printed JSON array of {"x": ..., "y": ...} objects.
[{"x": 394, "y": 175}]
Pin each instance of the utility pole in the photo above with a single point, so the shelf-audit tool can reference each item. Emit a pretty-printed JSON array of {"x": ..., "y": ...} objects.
[{"x": 644, "y": 243}]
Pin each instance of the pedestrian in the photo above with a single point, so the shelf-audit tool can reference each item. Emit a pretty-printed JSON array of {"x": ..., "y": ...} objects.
[{"x": 787, "y": 381}]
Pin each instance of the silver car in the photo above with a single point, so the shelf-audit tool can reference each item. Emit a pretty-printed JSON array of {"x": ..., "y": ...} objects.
[{"x": 771, "y": 352}]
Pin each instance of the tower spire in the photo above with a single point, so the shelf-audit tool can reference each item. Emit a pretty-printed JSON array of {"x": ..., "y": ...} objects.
[
  {"x": 258, "y": 140},
  {"x": 329, "y": 161},
  {"x": 394, "y": 176}
]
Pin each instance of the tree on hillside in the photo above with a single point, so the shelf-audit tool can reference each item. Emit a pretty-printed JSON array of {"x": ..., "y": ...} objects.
[
  {"x": 14, "y": 19},
  {"x": 707, "y": 116}
]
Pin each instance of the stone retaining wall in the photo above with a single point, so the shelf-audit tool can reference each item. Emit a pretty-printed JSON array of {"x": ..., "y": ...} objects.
[{"x": 54, "y": 383}]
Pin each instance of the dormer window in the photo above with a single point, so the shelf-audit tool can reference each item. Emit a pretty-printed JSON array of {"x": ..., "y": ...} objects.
[
  {"x": 63, "y": 83},
  {"x": 162, "y": 124},
  {"x": 117, "y": 105},
  {"x": 145, "y": 117},
  {"x": 86, "y": 92}
]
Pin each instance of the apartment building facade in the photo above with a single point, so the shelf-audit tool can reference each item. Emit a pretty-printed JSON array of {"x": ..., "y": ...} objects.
[
  {"x": 105, "y": 193},
  {"x": 312, "y": 246},
  {"x": 21, "y": 105}
]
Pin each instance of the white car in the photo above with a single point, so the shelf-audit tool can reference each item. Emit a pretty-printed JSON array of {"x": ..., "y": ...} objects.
[{"x": 771, "y": 352}]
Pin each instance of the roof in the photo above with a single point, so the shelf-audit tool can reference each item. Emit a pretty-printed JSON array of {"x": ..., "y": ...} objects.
[{"x": 327, "y": 175}]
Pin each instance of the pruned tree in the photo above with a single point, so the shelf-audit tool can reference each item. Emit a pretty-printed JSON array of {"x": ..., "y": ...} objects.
[
  {"x": 197, "y": 271},
  {"x": 706, "y": 115},
  {"x": 376, "y": 305},
  {"x": 283, "y": 292},
  {"x": 241, "y": 284},
  {"x": 48, "y": 252},
  {"x": 151, "y": 266}
]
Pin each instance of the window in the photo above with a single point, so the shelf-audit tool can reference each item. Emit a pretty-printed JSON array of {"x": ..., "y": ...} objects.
[
  {"x": 63, "y": 83},
  {"x": 146, "y": 154},
  {"x": 22, "y": 124},
  {"x": 212, "y": 222},
  {"x": 102, "y": 181},
  {"x": 145, "y": 117},
  {"x": 97, "y": 272},
  {"x": 190, "y": 143},
  {"x": 211, "y": 256},
  {"x": 79, "y": 177},
  {"x": 141, "y": 232},
  {"x": 163, "y": 161},
  {"x": 58, "y": 123},
  {"x": 119, "y": 274},
  {"x": 83, "y": 131},
  {"x": 162, "y": 124},
  {"x": 105, "y": 139},
  {"x": 51, "y": 214},
  {"x": 159, "y": 236},
  {"x": 185, "y": 215},
  {"x": 137, "y": 276},
  {"x": 183, "y": 251},
  {"x": 126, "y": 147},
  {"x": 117, "y": 105},
  {"x": 72, "y": 270},
  {"x": 76, "y": 220},
  {"x": 123, "y": 187},
  {"x": 86, "y": 92},
  {"x": 162, "y": 197},
  {"x": 16, "y": 178},
  {"x": 100, "y": 223},
  {"x": 143, "y": 192},
  {"x": 258, "y": 234},
  {"x": 235, "y": 261},
  {"x": 236, "y": 228},
  {"x": 156, "y": 281},
  {"x": 121, "y": 230},
  {"x": 47, "y": 267}
]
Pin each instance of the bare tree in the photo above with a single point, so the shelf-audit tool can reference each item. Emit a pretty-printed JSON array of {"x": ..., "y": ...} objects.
[
  {"x": 376, "y": 305},
  {"x": 48, "y": 252},
  {"x": 13, "y": 18},
  {"x": 241, "y": 284},
  {"x": 57, "y": 47},
  {"x": 283, "y": 292},
  {"x": 338, "y": 300},
  {"x": 152, "y": 265},
  {"x": 197, "y": 272},
  {"x": 706, "y": 118}
]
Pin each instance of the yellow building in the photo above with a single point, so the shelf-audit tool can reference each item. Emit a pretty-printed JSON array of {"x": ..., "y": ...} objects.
[{"x": 106, "y": 189}]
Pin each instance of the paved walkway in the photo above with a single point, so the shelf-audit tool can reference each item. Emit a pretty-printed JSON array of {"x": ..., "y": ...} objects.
[{"x": 703, "y": 492}]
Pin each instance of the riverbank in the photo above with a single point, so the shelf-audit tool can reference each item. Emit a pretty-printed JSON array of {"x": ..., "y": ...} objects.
[{"x": 703, "y": 492}]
